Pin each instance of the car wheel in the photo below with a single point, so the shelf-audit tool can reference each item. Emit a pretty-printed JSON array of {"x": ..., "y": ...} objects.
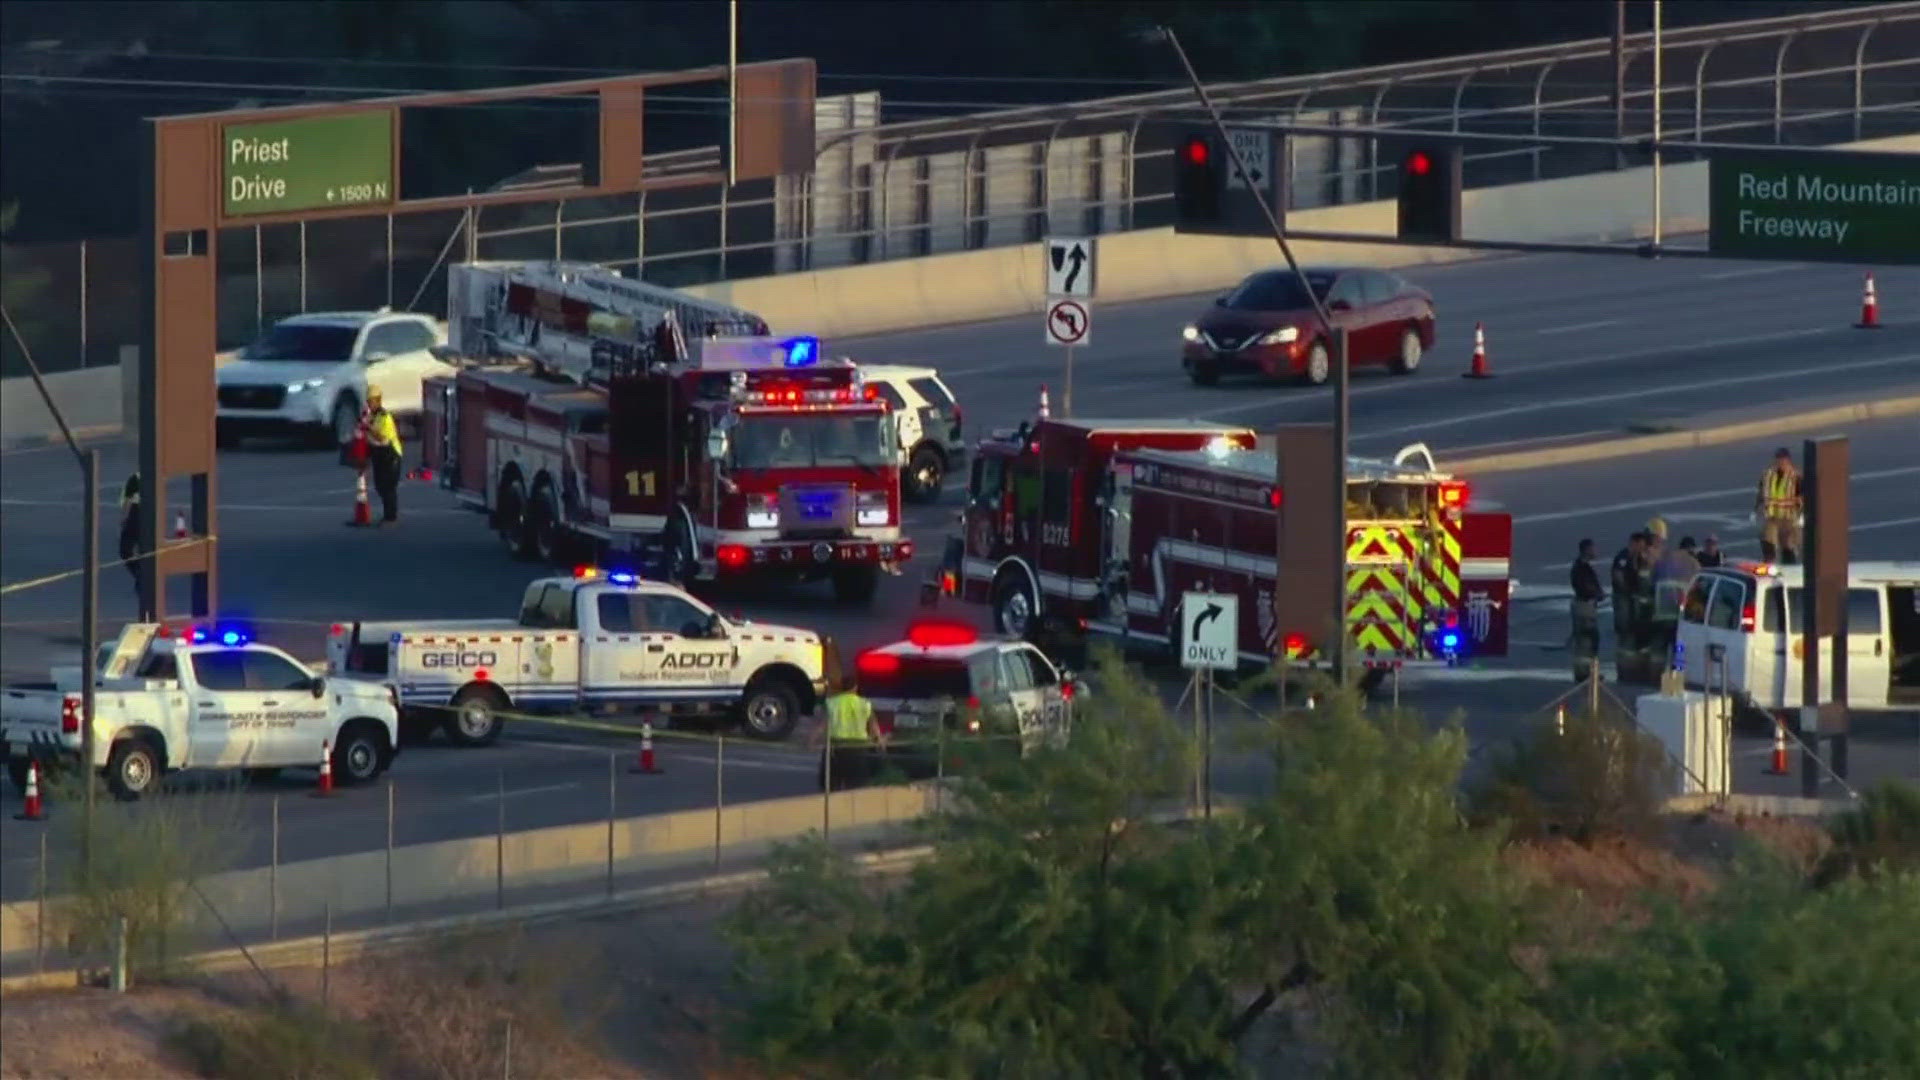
[
  {"x": 132, "y": 769},
  {"x": 510, "y": 517},
  {"x": 769, "y": 709},
  {"x": 358, "y": 754},
  {"x": 346, "y": 419},
  {"x": 1014, "y": 607},
  {"x": 926, "y": 471},
  {"x": 1203, "y": 373},
  {"x": 1318, "y": 365},
  {"x": 476, "y": 716},
  {"x": 1410, "y": 352}
]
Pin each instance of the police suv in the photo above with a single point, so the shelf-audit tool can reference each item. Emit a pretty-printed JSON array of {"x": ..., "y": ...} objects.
[
  {"x": 946, "y": 681},
  {"x": 601, "y": 641},
  {"x": 927, "y": 426},
  {"x": 199, "y": 698}
]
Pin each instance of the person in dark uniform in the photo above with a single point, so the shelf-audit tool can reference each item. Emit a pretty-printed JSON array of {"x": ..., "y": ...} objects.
[
  {"x": 1585, "y": 611},
  {"x": 1710, "y": 553},
  {"x": 1626, "y": 586},
  {"x": 130, "y": 543}
]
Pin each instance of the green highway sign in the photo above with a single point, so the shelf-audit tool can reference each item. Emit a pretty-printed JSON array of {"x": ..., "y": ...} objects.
[
  {"x": 1815, "y": 205},
  {"x": 311, "y": 163}
]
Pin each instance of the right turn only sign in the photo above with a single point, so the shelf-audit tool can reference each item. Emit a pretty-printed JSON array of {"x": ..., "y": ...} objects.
[{"x": 1209, "y": 630}]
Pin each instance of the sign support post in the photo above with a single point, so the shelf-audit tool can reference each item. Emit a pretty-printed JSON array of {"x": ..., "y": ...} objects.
[{"x": 1068, "y": 268}]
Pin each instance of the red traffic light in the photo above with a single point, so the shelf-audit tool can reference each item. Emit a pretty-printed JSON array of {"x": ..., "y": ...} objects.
[
  {"x": 1418, "y": 163},
  {"x": 1197, "y": 151}
]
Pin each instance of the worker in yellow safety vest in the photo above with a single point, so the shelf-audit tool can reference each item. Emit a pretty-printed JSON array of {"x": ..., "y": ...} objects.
[
  {"x": 853, "y": 737},
  {"x": 1779, "y": 505},
  {"x": 384, "y": 450}
]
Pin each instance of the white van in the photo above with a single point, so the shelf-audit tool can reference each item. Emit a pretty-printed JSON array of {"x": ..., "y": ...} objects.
[{"x": 1753, "y": 611}]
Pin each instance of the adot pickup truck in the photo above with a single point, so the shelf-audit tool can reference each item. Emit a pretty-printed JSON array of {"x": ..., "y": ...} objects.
[
  {"x": 199, "y": 698},
  {"x": 590, "y": 641}
]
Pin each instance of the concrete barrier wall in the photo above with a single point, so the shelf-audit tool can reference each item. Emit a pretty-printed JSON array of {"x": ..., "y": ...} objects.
[
  {"x": 449, "y": 872},
  {"x": 998, "y": 282}
]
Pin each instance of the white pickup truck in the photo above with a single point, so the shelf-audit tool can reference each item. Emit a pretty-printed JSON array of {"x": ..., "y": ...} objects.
[
  {"x": 199, "y": 698},
  {"x": 590, "y": 641}
]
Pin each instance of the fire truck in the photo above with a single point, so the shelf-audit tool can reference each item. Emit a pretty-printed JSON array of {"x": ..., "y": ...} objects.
[
  {"x": 594, "y": 427},
  {"x": 1077, "y": 528}
]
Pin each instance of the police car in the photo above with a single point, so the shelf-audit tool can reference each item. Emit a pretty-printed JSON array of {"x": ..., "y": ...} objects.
[
  {"x": 946, "y": 675},
  {"x": 928, "y": 420},
  {"x": 595, "y": 640}
]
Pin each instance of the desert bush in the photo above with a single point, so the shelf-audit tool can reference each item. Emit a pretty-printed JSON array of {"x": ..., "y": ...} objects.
[
  {"x": 283, "y": 1041},
  {"x": 1598, "y": 777},
  {"x": 1882, "y": 833}
]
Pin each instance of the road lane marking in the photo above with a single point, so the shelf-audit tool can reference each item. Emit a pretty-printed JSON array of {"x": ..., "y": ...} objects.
[
  {"x": 1751, "y": 271},
  {"x": 1721, "y": 493},
  {"x": 1872, "y": 525},
  {"x": 672, "y": 753},
  {"x": 1631, "y": 395},
  {"x": 544, "y": 789},
  {"x": 1577, "y": 327}
]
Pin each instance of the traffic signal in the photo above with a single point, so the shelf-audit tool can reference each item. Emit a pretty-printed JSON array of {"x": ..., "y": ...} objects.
[
  {"x": 1430, "y": 194},
  {"x": 1198, "y": 177}
]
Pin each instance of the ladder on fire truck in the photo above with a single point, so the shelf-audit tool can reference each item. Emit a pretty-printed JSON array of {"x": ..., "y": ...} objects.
[{"x": 579, "y": 321}]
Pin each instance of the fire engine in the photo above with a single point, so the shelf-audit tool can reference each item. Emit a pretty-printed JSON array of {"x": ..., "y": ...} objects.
[
  {"x": 1098, "y": 528},
  {"x": 609, "y": 435}
]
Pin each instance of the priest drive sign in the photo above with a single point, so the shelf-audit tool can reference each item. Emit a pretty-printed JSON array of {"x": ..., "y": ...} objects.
[
  {"x": 310, "y": 163},
  {"x": 1815, "y": 205}
]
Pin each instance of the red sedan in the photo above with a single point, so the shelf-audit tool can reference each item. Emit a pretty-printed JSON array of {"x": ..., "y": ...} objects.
[{"x": 1267, "y": 325}]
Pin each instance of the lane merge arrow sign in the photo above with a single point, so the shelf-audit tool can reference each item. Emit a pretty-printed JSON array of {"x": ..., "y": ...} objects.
[
  {"x": 1069, "y": 266},
  {"x": 1209, "y": 630}
]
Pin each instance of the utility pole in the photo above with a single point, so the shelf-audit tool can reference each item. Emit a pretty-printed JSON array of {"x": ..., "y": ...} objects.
[
  {"x": 1619, "y": 81},
  {"x": 89, "y": 590},
  {"x": 1657, "y": 194},
  {"x": 1338, "y": 655},
  {"x": 733, "y": 87}
]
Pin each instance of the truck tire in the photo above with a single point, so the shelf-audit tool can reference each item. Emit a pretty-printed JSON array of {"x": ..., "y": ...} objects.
[
  {"x": 510, "y": 516},
  {"x": 133, "y": 769},
  {"x": 856, "y": 584},
  {"x": 361, "y": 754},
  {"x": 770, "y": 708},
  {"x": 926, "y": 472},
  {"x": 545, "y": 534},
  {"x": 476, "y": 716},
  {"x": 1014, "y": 606}
]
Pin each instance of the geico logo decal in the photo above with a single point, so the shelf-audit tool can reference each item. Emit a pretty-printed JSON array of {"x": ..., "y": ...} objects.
[{"x": 482, "y": 658}]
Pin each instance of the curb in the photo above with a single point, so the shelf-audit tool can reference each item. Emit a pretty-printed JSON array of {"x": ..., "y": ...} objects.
[
  {"x": 1783, "y": 806},
  {"x": 351, "y": 944},
  {"x": 1603, "y": 449}
]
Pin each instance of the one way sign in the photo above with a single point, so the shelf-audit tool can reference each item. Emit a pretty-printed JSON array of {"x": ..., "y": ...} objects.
[
  {"x": 1069, "y": 267},
  {"x": 1209, "y": 630}
]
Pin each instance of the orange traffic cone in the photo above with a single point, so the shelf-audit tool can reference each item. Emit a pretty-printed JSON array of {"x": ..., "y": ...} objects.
[
  {"x": 32, "y": 811},
  {"x": 179, "y": 525},
  {"x": 1778, "y": 767},
  {"x": 1479, "y": 370},
  {"x": 1869, "y": 308},
  {"x": 362, "y": 509},
  {"x": 325, "y": 787},
  {"x": 646, "y": 765}
]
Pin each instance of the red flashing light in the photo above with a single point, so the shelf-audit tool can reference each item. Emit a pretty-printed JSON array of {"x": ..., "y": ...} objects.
[
  {"x": 872, "y": 392},
  {"x": 877, "y": 664},
  {"x": 69, "y": 715},
  {"x": 732, "y": 556},
  {"x": 933, "y": 634},
  {"x": 336, "y": 630},
  {"x": 1197, "y": 151},
  {"x": 1418, "y": 163},
  {"x": 1454, "y": 495},
  {"x": 583, "y": 572},
  {"x": 1066, "y": 690},
  {"x": 163, "y": 631},
  {"x": 949, "y": 583},
  {"x": 1747, "y": 620},
  {"x": 480, "y": 674},
  {"x": 1295, "y": 644},
  {"x": 974, "y": 703},
  {"x": 1275, "y": 499}
]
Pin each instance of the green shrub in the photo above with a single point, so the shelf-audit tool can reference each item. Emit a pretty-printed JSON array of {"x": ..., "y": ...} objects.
[
  {"x": 286, "y": 1042},
  {"x": 1592, "y": 779},
  {"x": 1883, "y": 832}
]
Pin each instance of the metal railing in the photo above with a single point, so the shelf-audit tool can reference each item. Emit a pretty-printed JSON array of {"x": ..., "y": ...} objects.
[{"x": 881, "y": 191}]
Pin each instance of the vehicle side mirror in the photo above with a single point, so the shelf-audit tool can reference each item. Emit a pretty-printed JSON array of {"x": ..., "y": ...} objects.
[
  {"x": 713, "y": 627},
  {"x": 319, "y": 686},
  {"x": 717, "y": 444}
]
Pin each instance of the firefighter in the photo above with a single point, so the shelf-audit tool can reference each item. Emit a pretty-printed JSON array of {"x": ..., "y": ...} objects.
[
  {"x": 1585, "y": 611},
  {"x": 384, "y": 450},
  {"x": 852, "y": 735},
  {"x": 1778, "y": 505},
  {"x": 130, "y": 543},
  {"x": 1671, "y": 577},
  {"x": 1626, "y": 586}
]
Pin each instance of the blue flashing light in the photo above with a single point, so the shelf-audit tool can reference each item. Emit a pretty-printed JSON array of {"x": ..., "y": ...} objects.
[
  {"x": 1450, "y": 640},
  {"x": 225, "y": 635},
  {"x": 619, "y": 578},
  {"x": 801, "y": 351},
  {"x": 231, "y": 637}
]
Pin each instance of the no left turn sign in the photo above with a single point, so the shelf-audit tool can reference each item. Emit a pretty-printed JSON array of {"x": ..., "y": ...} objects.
[{"x": 1067, "y": 322}]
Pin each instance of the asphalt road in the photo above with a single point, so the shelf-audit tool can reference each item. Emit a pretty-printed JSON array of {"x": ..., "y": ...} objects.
[{"x": 1579, "y": 344}]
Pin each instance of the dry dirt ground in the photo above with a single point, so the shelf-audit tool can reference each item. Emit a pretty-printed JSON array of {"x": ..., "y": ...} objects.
[{"x": 645, "y": 994}]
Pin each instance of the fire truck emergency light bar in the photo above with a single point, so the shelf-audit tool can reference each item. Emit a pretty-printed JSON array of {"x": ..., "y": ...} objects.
[{"x": 758, "y": 353}]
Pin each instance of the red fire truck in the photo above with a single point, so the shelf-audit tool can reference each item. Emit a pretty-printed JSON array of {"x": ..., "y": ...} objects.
[
  {"x": 1117, "y": 521},
  {"x": 710, "y": 459}
]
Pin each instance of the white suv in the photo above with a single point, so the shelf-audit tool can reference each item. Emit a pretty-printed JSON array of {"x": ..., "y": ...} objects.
[
  {"x": 310, "y": 373},
  {"x": 928, "y": 426}
]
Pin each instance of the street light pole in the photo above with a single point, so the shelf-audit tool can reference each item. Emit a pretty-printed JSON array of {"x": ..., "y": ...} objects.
[
  {"x": 1338, "y": 337},
  {"x": 733, "y": 87},
  {"x": 1658, "y": 200}
]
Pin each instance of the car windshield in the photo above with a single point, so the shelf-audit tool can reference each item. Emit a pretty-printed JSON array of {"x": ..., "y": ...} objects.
[
  {"x": 918, "y": 679},
  {"x": 1276, "y": 291},
  {"x": 303, "y": 341},
  {"x": 789, "y": 440}
]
